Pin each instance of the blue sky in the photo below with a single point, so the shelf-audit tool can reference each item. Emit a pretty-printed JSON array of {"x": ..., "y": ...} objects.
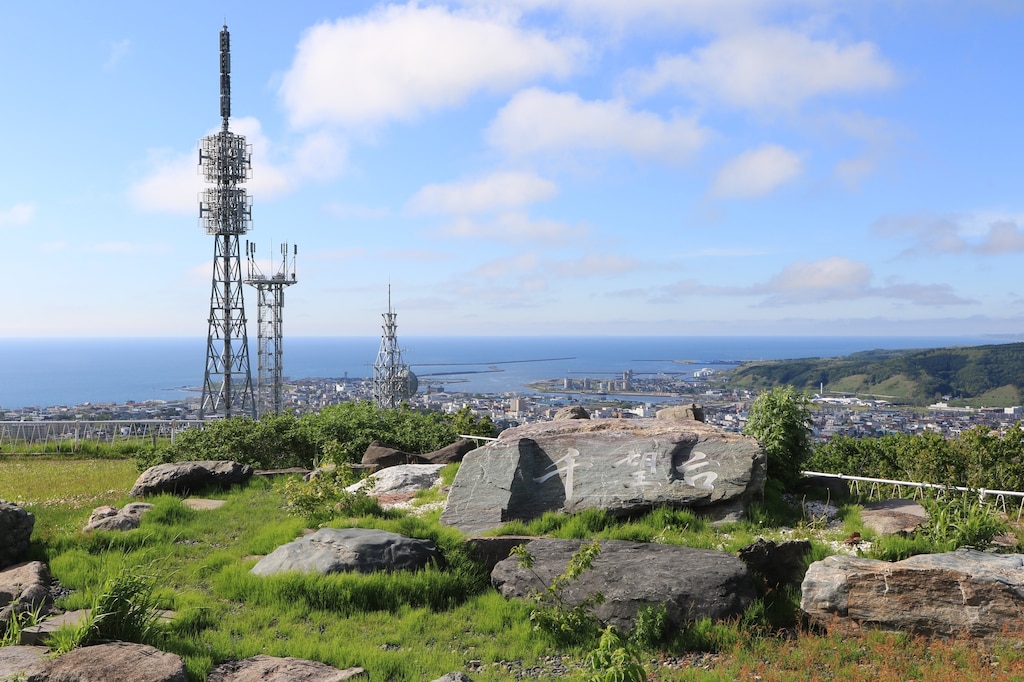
[{"x": 534, "y": 167}]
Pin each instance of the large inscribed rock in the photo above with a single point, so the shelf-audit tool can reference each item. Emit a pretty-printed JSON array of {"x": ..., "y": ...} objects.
[{"x": 620, "y": 465}]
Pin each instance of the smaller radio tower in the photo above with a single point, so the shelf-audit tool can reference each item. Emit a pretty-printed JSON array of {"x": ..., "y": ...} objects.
[
  {"x": 270, "y": 295},
  {"x": 393, "y": 381}
]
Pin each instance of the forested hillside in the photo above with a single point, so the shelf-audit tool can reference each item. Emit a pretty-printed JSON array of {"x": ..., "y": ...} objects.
[{"x": 977, "y": 375}]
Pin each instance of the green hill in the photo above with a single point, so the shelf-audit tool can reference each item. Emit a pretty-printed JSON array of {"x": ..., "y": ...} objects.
[{"x": 975, "y": 375}]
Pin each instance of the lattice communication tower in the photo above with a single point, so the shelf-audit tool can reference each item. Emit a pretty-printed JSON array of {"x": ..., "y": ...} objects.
[
  {"x": 225, "y": 211},
  {"x": 393, "y": 381},
  {"x": 270, "y": 306}
]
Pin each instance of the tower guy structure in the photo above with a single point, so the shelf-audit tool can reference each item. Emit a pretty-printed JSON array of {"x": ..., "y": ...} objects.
[
  {"x": 225, "y": 211},
  {"x": 270, "y": 306},
  {"x": 393, "y": 381}
]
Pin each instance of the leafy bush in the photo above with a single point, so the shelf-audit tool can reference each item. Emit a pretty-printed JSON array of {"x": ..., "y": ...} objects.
[
  {"x": 325, "y": 496},
  {"x": 337, "y": 434},
  {"x": 780, "y": 418}
]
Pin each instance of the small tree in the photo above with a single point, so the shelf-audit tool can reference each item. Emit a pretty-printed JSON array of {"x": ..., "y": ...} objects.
[{"x": 780, "y": 418}]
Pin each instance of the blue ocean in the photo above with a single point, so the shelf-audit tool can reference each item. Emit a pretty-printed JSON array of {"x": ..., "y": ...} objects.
[{"x": 48, "y": 372}]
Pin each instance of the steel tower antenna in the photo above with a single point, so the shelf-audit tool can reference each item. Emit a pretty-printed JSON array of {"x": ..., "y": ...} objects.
[
  {"x": 270, "y": 292},
  {"x": 393, "y": 381},
  {"x": 225, "y": 211}
]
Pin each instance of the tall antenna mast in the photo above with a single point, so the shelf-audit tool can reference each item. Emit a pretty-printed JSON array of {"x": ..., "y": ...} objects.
[
  {"x": 270, "y": 293},
  {"x": 225, "y": 211},
  {"x": 393, "y": 381}
]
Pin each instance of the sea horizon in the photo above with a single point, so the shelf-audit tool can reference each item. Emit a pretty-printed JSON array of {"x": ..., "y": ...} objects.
[{"x": 55, "y": 371}]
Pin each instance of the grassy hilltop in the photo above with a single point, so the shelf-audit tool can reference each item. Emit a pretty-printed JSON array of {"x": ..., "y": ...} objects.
[{"x": 977, "y": 376}]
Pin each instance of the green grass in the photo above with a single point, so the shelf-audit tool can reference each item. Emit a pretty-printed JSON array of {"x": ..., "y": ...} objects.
[{"x": 419, "y": 626}]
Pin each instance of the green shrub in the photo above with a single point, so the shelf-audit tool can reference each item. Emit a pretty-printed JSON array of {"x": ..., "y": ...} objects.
[
  {"x": 780, "y": 419},
  {"x": 325, "y": 496}
]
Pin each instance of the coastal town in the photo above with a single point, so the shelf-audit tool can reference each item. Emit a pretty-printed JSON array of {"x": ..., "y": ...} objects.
[{"x": 625, "y": 396}]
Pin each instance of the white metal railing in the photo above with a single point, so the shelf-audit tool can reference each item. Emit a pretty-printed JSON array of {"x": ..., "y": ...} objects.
[
  {"x": 874, "y": 487},
  {"x": 34, "y": 437}
]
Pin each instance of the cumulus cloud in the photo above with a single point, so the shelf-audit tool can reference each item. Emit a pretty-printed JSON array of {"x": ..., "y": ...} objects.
[
  {"x": 770, "y": 68},
  {"x": 983, "y": 234},
  {"x": 823, "y": 281},
  {"x": 498, "y": 191},
  {"x": 539, "y": 121},
  {"x": 17, "y": 215},
  {"x": 402, "y": 60},
  {"x": 174, "y": 181},
  {"x": 757, "y": 172},
  {"x": 514, "y": 226}
]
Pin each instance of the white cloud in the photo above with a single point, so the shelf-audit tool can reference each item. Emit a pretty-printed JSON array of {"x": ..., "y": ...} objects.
[
  {"x": 770, "y": 68},
  {"x": 402, "y": 60},
  {"x": 498, "y": 191},
  {"x": 514, "y": 226},
  {"x": 757, "y": 172},
  {"x": 823, "y": 281},
  {"x": 832, "y": 274},
  {"x": 988, "y": 233},
  {"x": 539, "y": 121},
  {"x": 17, "y": 215}
]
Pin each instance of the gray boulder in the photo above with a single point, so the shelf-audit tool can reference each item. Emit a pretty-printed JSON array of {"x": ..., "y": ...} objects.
[
  {"x": 185, "y": 477},
  {"x": 691, "y": 412},
  {"x": 24, "y": 588},
  {"x": 337, "y": 550},
  {"x": 403, "y": 479},
  {"x": 121, "y": 661},
  {"x": 620, "y": 465},
  {"x": 381, "y": 456},
  {"x": 273, "y": 669},
  {"x": 961, "y": 593},
  {"x": 451, "y": 453},
  {"x": 16, "y": 526},
  {"x": 112, "y": 518},
  {"x": 571, "y": 412},
  {"x": 778, "y": 563},
  {"x": 22, "y": 662},
  {"x": 691, "y": 583}
]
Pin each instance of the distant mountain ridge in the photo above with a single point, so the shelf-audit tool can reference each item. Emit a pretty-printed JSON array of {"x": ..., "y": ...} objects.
[{"x": 972, "y": 375}]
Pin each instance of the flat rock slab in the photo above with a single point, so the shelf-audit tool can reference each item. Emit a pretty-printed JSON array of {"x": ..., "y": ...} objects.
[
  {"x": 691, "y": 583},
  {"x": 22, "y": 662},
  {"x": 620, "y": 465},
  {"x": 892, "y": 517},
  {"x": 183, "y": 477},
  {"x": 121, "y": 661},
  {"x": 200, "y": 504},
  {"x": 337, "y": 550},
  {"x": 273, "y": 669},
  {"x": 954, "y": 594}
]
